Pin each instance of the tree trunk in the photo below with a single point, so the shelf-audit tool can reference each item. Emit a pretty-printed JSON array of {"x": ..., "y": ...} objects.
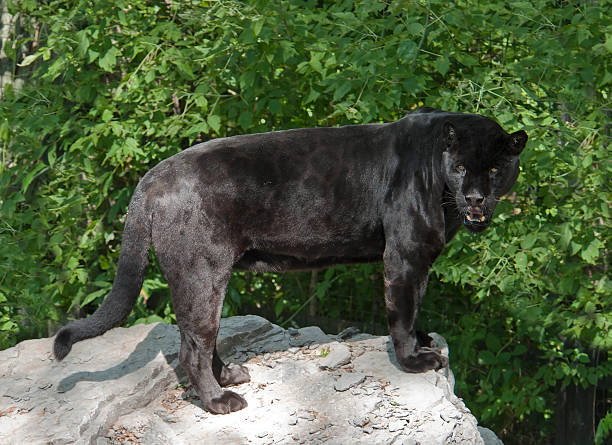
[
  {"x": 12, "y": 29},
  {"x": 574, "y": 416},
  {"x": 6, "y": 64}
]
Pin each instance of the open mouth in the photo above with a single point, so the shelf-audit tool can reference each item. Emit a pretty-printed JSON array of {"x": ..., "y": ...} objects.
[{"x": 475, "y": 219}]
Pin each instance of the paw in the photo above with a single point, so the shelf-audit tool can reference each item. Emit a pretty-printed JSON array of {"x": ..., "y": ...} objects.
[
  {"x": 234, "y": 375},
  {"x": 226, "y": 403},
  {"x": 423, "y": 360}
]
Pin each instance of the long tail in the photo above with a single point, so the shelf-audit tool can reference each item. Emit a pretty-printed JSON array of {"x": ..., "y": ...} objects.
[{"x": 133, "y": 261}]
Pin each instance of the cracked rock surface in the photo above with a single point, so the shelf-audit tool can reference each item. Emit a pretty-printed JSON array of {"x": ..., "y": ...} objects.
[{"x": 127, "y": 387}]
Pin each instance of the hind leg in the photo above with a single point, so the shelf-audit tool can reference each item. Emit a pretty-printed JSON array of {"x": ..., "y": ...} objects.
[
  {"x": 198, "y": 289},
  {"x": 196, "y": 359}
]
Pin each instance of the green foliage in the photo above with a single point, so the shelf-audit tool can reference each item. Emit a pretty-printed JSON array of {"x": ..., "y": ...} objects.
[
  {"x": 113, "y": 87},
  {"x": 604, "y": 429}
]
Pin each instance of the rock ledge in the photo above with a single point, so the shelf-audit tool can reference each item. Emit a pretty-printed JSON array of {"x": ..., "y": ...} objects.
[{"x": 127, "y": 387}]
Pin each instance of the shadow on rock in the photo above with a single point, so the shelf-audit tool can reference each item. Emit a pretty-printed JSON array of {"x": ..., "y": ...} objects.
[{"x": 157, "y": 341}]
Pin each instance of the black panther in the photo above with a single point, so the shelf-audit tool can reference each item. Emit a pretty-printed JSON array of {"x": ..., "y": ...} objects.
[{"x": 302, "y": 199}]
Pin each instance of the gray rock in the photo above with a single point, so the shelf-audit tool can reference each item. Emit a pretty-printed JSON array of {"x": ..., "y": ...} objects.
[
  {"x": 348, "y": 380},
  {"x": 396, "y": 425},
  {"x": 360, "y": 421},
  {"x": 128, "y": 387},
  {"x": 308, "y": 336},
  {"x": 240, "y": 331},
  {"x": 489, "y": 437},
  {"x": 440, "y": 343},
  {"x": 306, "y": 415},
  {"x": 99, "y": 381},
  {"x": 347, "y": 333},
  {"x": 338, "y": 355}
]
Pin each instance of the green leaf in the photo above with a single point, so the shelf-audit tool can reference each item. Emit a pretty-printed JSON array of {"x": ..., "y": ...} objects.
[
  {"x": 312, "y": 96},
  {"x": 486, "y": 358},
  {"x": 442, "y": 64},
  {"x": 529, "y": 240},
  {"x": 104, "y": 265},
  {"x": 519, "y": 350},
  {"x": 568, "y": 286},
  {"x": 201, "y": 101},
  {"x": 589, "y": 307},
  {"x": 122, "y": 17},
  {"x": 185, "y": 68},
  {"x": 315, "y": 61},
  {"x": 279, "y": 306},
  {"x": 407, "y": 50},
  {"x": 583, "y": 358},
  {"x": 507, "y": 283},
  {"x": 466, "y": 59},
  {"x": 247, "y": 79},
  {"x": 201, "y": 127},
  {"x": 92, "y": 55},
  {"x": 92, "y": 296},
  {"x": 28, "y": 60},
  {"x": 492, "y": 343},
  {"x": 247, "y": 36},
  {"x": 604, "y": 286},
  {"x": 415, "y": 29},
  {"x": 5, "y": 131},
  {"x": 235, "y": 296},
  {"x": 245, "y": 119},
  {"x": 131, "y": 148},
  {"x": 51, "y": 156},
  {"x": 81, "y": 275},
  {"x": 83, "y": 43},
  {"x": 566, "y": 236},
  {"x": 275, "y": 107},
  {"x": 341, "y": 91},
  {"x": 7, "y": 326},
  {"x": 214, "y": 122},
  {"x": 72, "y": 263},
  {"x": 107, "y": 115},
  {"x": 591, "y": 252},
  {"x": 574, "y": 247},
  {"x": 257, "y": 26},
  {"x": 604, "y": 428},
  {"x": 109, "y": 60},
  {"x": 608, "y": 43},
  {"x": 521, "y": 260},
  {"x": 30, "y": 177}
]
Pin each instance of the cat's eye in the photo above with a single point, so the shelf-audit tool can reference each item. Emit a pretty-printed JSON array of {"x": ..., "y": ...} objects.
[
  {"x": 493, "y": 170},
  {"x": 460, "y": 169}
]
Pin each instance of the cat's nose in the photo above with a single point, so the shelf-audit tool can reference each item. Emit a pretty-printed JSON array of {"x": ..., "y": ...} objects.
[{"x": 474, "y": 199}]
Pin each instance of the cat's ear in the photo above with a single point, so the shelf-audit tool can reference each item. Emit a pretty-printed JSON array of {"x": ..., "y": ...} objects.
[
  {"x": 449, "y": 135},
  {"x": 517, "y": 141}
]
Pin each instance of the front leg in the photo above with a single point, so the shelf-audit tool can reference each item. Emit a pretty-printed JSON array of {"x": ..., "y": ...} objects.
[{"x": 406, "y": 271}]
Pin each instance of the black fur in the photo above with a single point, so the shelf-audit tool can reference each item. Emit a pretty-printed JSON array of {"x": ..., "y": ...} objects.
[{"x": 302, "y": 199}]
